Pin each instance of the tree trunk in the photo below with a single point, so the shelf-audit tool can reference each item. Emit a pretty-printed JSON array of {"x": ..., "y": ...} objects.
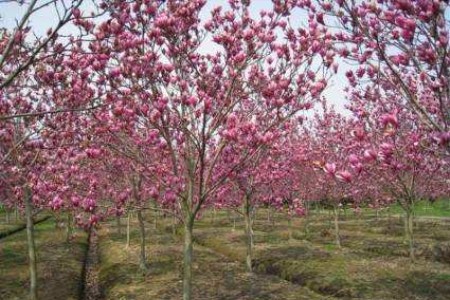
[
  {"x": 69, "y": 227},
  {"x": 409, "y": 223},
  {"x": 174, "y": 225},
  {"x": 187, "y": 260},
  {"x": 156, "y": 215},
  {"x": 57, "y": 222},
  {"x": 249, "y": 233},
  {"x": 272, "y": 217},
  {"x": 234, "y": 220},
  {"x": 119, "y": 225},
  {"x": 289, "y": 227},
  {"x": 308, "y": 211},
  {"x": 128, "y": 230},
  {"x": 16, "y": 213},
  {"x": 142, "y": 257},
  {"x": 8, "y": 216},
  {"x": 213, "y": 218},
  {"x": 31, "y": 244},
  {"x": 329, "y": 218},
  {"x": 336, "y": 226},
  {"x": 306, "y": 226}
]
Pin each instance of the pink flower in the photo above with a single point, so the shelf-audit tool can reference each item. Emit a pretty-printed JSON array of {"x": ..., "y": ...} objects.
[
  {"x": 358, "y": 168},
  {"x": 353, "y": 159},
  {"x": 389, "y": 119},
  {"x": 116, "y": 72},
  {"x": 56, "y": 203},
  {"x": 330, "y": 169},
  {"x": 154, "y": 193},
  {"x": 76, "y": 13},
  {"x": 75, "y": 201},
  {"x": 443, "y": 138},
  {"x": 232, "y": 121},
  {"x": 345, "y": 176},
  {"x": 386, "y": 149},
  {"x": 240, "y": 57},
  {"x": 89, "y": 204},
  {"x": 93, "y": 153},
  {"x": 93, "y": 220},
  {"x": 370, "y": 155}
]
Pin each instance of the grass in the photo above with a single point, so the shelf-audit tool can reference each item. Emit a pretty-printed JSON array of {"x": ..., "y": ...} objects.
[
  {"x": 5, "y": 224},
  {"x": 59, "y": 264},
  {"x": 373, "y": 262},
  {"x": 216, "y": 276},
  {"x": 440, "y": 208},
  {"x": 10, "y": 229}
]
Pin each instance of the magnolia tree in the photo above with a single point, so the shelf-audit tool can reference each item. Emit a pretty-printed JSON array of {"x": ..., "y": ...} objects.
[
  {"x": 400, "y": 48},
  {"x": 400, "y": 157},
  {"x": 247, "y": 184},
  {"x": 38, "y": 79},
  {"x": 131, "y": 180},
  {"x": 152, "y": 105},
  {"x": 301, "y": 159},
  {"x": 381, "y": 155},
  {"x": 285, "y": 188},
  {"x": 330, "y": 144},
  {"x": 195, "y": 105},
  {"x": 264, "y": 181},
  {"x": 399, "y": 84},
  {"x": 244, "y": 183},
  {"x": 21, "y": 47}
]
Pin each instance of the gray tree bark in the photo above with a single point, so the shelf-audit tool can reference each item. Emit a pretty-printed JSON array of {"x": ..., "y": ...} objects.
[
  {"x": 142, "y": 257},
  {"x": 31, "y": 244},
  {"x": 187, "y": 260}
]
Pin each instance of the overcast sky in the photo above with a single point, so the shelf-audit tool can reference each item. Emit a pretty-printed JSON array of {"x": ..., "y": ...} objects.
[{"x": 11, "y": 12}]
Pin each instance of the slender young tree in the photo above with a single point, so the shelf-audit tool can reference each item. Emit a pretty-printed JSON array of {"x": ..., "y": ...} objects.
[{"x": 194, "y": 105}]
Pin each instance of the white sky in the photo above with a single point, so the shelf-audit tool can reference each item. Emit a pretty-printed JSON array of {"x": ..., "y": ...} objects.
[{"x": 11, "y": 12}]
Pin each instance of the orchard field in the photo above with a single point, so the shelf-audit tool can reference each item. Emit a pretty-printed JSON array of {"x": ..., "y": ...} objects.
[
  {"x": 224, "y": 149},
  {"x": 296, "y": 261}
]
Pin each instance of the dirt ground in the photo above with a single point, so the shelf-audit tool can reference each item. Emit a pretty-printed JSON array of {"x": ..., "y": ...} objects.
[
  {"x": 373, "y": 262},
  {"x": 59, "y": 264},
  {"x": 289, "y": 262}
]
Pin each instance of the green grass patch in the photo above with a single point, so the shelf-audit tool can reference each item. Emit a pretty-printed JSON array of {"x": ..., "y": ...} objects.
[{"x": 440, "y": 208}]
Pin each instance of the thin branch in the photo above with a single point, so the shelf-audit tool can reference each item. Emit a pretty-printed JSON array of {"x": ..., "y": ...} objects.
[
  {"x": 16, "y": 30},
  {"x": 49, "y": 112}
]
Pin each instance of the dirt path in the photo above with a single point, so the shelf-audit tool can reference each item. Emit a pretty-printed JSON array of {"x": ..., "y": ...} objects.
[{"x": 91, "y": 284}]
